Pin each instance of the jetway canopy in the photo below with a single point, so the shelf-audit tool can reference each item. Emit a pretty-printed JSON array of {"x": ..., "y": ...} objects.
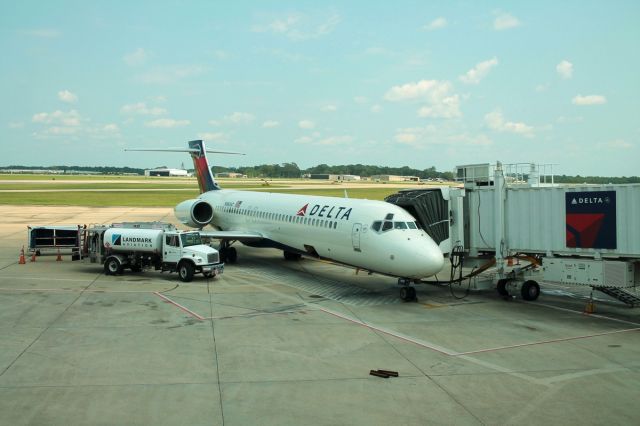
[{"x": 429, "y": 207}]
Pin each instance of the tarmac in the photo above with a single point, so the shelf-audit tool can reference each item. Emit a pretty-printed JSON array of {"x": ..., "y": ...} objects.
[{"x": 272, "y": 342}]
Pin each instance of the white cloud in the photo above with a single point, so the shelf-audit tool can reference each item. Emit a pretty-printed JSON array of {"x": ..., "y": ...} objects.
[
  {"x": 303, "y": 140},
  {"x": 406, "y": 137},
  {"x": 565, "y": 69},
  {"x": 504, "y": 21},
  {"x": 376, "y": 109},
  {"x": 316, "y": 139},
  {"x": 569, "y": 120},
  {"x": 542, "y": 87},
  {"x": 67, "y": 96},
  {"x": 42, "y": 32},
  {"x": 411, "y": 91},
  {"x": 15, "y": 124},
  {"x": 480, "y": 71},
  {"x": 110, "y": 128},
  {"x": 240, "y": 118},
  {"x": 270, "y": 124},
  {"x": 436, "y": 24},
  {"x": 589, "y": 100},
  {"x": 437, "y": 96},
  {"x": 141, "y": 108},
  {"x": 136, "y": 58},
  {"x": 170, "y": 74},
  {"x": 300, "y": 27},
  {"x": 335, "y": 140},
  {"x": 431, "y": 135},
  {"x": 496, "y": 121},
  {"x": 329, "y": 108},
  {"x": 70, "y": 118},
  {"x": 167, "y": 123},
  {"x": 211, "y": 136},
  {"x": 617, "y": 144},
  {"x": 306, "y": 124}
]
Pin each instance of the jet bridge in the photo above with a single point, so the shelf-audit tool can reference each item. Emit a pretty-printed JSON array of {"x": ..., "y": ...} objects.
[{"x": 535, "y": 229}]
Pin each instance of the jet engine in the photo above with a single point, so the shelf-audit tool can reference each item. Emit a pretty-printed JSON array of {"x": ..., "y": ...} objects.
[{"x": 195, "y": 213}]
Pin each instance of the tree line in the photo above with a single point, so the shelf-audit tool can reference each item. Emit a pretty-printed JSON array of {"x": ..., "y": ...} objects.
[{"x": 291, "y": 170}]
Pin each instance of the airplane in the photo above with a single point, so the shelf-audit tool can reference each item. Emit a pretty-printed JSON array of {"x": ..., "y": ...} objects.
[{"x": 375, "y": 236}]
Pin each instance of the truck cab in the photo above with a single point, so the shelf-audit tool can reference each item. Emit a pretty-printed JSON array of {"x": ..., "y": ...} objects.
[{"x": 184, "y": 251}]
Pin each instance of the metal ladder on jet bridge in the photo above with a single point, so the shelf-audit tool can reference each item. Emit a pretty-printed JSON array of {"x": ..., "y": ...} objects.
[{"x": 622, "y": 295}]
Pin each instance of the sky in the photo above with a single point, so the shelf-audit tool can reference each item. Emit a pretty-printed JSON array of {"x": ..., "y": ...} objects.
[{"x": 415, "y": 83}]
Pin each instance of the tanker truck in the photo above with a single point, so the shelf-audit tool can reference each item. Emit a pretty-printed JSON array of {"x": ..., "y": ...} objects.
[{"x": 156, "y": 245}]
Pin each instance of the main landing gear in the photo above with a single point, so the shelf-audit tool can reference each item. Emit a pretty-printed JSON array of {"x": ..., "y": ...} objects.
[
  {"x": 228, "y": 254},
  {"x": 407, "y": 292}
]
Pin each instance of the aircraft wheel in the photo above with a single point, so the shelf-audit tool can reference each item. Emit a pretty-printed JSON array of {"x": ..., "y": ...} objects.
[
  {"x": 291, "y": 256},
  {"x": 407, "y": 293},
  {"x": 502, "y": 287},
  {"x": 231, "y": 255},
  {"x": 185, "y": 271},
  {"x": 530, "y": 290}
]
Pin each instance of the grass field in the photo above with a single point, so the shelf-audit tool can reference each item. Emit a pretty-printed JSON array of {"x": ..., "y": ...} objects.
[
  {"x": 115, "y": 185},
  {"x": 160, "y": 198}
]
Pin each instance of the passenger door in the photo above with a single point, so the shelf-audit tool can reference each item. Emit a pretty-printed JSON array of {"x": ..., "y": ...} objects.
[
  {"x": 172, "y": 252},
  {"x": 355, "y": 236}
]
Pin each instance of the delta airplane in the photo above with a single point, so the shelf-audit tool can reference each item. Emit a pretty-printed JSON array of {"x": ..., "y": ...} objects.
[{"x": 371, "y": 235}]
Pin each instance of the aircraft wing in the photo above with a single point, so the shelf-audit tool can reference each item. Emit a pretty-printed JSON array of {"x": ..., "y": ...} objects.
[{"x": 232, "y": 235}]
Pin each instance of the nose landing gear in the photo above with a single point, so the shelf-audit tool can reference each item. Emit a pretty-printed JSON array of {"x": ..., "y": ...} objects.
[{"x": 407, "y": 293}]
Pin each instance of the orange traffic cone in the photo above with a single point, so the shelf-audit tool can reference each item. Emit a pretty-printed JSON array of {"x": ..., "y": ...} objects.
[
  {"x": 33, "y": 256},
  {"x": 22, "y": 261},
  {"x": 510, "y": 261},
  {"x": 59, "y": 258}
]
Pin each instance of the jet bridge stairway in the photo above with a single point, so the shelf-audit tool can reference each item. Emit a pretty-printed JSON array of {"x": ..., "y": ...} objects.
[{"x": 622, "y": 295}]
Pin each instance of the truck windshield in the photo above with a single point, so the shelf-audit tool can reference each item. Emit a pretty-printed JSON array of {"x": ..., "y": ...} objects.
[{"x": 190, "y": 239}]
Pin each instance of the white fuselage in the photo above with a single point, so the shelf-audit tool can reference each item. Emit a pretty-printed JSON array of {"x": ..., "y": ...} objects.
[{"x": 340, "y": 229}]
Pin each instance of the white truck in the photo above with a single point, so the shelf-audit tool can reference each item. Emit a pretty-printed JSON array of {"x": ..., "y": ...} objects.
[{"x": 151, "y": 244}]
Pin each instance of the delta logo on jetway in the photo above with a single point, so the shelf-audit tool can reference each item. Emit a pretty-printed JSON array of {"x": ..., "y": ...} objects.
[{"x": 326, "y": 211}]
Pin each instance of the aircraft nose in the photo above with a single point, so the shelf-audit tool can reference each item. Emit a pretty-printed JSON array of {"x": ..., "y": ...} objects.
[{"x": 432, "y": 260}]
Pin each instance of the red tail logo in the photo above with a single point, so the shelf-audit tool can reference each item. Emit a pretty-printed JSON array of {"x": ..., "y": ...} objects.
[{"x": 302, "y": 211}]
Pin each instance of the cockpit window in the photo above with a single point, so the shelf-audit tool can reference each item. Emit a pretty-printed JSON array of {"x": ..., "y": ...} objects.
[
  {"x": 412, "y": 225},
  {"x": 389, "y": 216},
  {"x": 387, "y": 225},
  {"x": 376, "y": 225},
  {"x": 400, "y": 225}
]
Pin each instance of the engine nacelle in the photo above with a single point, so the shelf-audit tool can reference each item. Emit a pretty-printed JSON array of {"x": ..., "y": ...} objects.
[{"x": 195, "y": 213}]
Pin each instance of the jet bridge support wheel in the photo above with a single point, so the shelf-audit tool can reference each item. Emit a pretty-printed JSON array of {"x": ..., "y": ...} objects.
[{"x": 530, "y": 290}]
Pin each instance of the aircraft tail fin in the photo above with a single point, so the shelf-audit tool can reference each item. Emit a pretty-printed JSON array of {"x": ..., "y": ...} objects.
[
  {"x": 206, "y": 181},
  {"x": 198, "y": 152}
]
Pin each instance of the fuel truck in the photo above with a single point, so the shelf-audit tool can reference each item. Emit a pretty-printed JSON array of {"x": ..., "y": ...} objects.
[{"x": 142, "y": 245}]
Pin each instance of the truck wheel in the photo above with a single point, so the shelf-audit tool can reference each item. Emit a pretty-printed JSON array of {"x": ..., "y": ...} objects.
[
  {"x": 232, "y": 255},
  {"x": 530, "y": 290},
  {"x": 185, "y": 271},
  {"x": 112, "y": 266}
]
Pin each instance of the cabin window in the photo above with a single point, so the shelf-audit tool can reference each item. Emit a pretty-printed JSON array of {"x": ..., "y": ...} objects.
[
  {"x": 335, "y": 225},
  {"x": 387, "y": 225},
  {"x": 412, "y": 225},
  {"x": 400, "y": 225},
  {"x": 376, "y": 225}
]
